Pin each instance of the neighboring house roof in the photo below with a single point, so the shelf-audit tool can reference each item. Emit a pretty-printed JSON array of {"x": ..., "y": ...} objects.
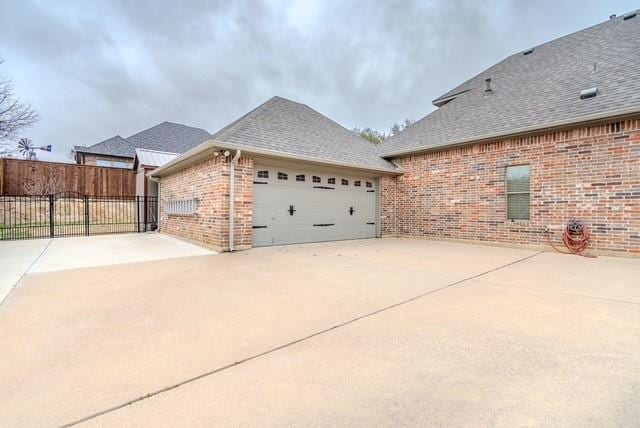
[
  {"x": 152, "y": 157},
  {"x": 169, "y": 137},
  {"x": 287, "y": 127},
  {"x": 538, "y": 90},
  {"x": 114, "y": 146},
  {"x": 166, "y": 136}
]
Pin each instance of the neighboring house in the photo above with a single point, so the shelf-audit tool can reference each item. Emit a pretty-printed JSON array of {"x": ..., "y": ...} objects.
[
  {"x": 115, "y": 152},
  {"x": 119, "y": 152},
  {"x": 549, "y": 134}
]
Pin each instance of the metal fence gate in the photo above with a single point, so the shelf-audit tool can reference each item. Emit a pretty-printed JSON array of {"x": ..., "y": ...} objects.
[{"x": 75, "y": 214}]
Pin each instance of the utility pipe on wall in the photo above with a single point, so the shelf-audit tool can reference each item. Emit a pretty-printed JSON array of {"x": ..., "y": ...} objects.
[{"x": 232, "y": 197}]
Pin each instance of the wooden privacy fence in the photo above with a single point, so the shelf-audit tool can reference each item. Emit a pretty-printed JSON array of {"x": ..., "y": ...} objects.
[{"x": 23, "y": 177}]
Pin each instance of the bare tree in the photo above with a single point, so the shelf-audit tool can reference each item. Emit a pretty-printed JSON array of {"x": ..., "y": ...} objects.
[
  {"x": 44, "y": 185},
  {"x": 14, "y": 115}
]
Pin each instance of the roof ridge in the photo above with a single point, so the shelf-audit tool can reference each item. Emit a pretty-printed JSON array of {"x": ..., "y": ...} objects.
[
  {"x": 358, "y": 136},
  {"x": 242, "y": 121}
]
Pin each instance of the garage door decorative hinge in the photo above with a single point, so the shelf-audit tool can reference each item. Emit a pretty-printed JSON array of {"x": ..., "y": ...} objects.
[
  {"x": 324, "y": 187},
  {"x": 371, "y": 223},
  {"x": 324, "y": 224},
  {"x": 259, "y": 227},
  {"x": 260, "y": 182}
]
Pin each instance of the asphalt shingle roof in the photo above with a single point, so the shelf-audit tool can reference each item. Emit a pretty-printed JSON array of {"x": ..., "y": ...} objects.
[
  {"x": 164, "y": 137},
  {"x": 289, "y": 127},
  {"x": 169, "y": 137},
  {"x": 114, "y": 146},
  {"x": 537, "y": 89}
]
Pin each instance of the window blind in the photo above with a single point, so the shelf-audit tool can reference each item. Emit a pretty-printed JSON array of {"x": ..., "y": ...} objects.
[{"x": 518, "y": 192}]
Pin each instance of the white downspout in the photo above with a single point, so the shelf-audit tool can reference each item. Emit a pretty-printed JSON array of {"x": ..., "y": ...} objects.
[
  {"x": 157, "y": 180},
  {"x": 232, "y": 198}
]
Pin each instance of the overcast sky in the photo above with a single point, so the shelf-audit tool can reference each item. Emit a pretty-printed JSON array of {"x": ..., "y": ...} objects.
[{"x": 97, "y": 69}]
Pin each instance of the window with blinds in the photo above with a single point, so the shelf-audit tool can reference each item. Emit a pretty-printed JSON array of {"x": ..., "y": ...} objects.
[
  {"x": 180, "y": 206},
  {"x": 518, "y": 196}
]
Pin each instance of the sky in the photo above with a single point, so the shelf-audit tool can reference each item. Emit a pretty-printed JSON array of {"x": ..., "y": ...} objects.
[{"x": 97, "y": 69}]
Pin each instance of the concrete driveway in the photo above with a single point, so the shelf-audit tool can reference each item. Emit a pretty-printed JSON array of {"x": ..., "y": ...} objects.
[
  {"x": 18, "y": 258},
  {"x": 375, "y": 332}
]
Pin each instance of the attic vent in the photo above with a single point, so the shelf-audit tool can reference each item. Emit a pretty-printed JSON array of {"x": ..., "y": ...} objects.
[
  {"x": 528, "y": 51},
  {"x": 629, "y": 16},
  {"x": 588, "y": 93}
]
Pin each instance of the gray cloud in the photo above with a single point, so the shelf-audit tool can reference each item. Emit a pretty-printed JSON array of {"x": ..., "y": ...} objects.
[{"x": 96, "y": 69}]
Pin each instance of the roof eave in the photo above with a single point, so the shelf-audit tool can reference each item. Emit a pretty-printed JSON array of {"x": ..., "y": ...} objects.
[
  {"x": 524, "y": 130},
  {"x": 104, "y": 154},
  {"x": 197, "y": 153}
]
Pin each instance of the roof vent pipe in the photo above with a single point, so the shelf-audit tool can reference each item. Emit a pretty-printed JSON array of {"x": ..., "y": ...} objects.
[
  {"x": 487, "y": 83},
  {"x": 612, "y": 16},
  {"x": 588, "y": 93}
]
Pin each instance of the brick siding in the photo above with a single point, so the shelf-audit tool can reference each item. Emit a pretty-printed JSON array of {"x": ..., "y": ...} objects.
[
  {"x": 208, "y": 182},
  {"x": 591, "y": 173}
]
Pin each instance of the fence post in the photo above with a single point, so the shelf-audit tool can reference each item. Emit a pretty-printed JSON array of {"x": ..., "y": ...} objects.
[
  {"x": 51, "y": 216},
  {"x": 86, "y": 215},
  {"x": 138, "y": 212}
]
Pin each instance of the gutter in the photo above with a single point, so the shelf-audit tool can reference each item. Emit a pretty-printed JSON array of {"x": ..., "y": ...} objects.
[
  {"x": 214, "y": 144},
  {"x": 232, "y": 198},
  {"x": 518, "y": 131}
]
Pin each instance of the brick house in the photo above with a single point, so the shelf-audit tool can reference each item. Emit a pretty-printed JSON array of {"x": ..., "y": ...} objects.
[
  {"x": 546, "y": 135},
  {"x": 143, "y": 151},
  {"x": 119, "y": 152}
]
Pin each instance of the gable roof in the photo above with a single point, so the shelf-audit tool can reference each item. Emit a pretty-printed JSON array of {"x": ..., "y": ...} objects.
[
  {"x": 114, "y": 146},
  {"x": 169, "y": 137},
  {"x": 538, "y": 90},
  {"x": 283, "y": 126}
]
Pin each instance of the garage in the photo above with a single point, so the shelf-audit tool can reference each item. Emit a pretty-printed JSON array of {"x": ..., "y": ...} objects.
[{"x": 292, "y": 206}]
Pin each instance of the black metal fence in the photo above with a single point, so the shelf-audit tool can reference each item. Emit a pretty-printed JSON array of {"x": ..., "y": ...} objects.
[{"x": 74, "y": 214}]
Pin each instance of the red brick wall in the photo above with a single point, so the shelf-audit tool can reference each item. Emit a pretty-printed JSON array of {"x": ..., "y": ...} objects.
[
  {"x": 591, "y": 173},
  {"x": 208, "y": 182}
]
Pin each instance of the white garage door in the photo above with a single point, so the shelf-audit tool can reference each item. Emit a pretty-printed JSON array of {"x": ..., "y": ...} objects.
[{"x": 295, "y": 206}]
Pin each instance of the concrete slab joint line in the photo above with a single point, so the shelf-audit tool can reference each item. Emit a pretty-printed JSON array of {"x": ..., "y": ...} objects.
[
  {"x": 294, "y": 342},
  {"x": 6, "y": 296}
]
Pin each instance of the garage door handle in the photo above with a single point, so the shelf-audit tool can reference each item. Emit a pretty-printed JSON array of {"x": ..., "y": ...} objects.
[
  {"x": 351, "y": 210},
  {"x": 291, "y": 210},
  {"x": 324, "y": 224}
]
